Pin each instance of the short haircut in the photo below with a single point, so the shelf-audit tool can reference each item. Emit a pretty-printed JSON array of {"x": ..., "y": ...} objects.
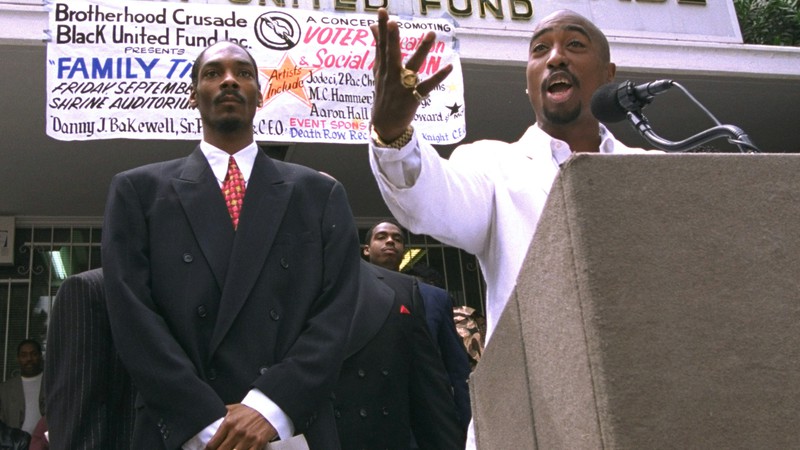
[
  {"x": 595, "y": 33},
  {"x": 196, "y": 65},
  {"x": 33, "y": 342},
  {"x": 368, "y": 236}
]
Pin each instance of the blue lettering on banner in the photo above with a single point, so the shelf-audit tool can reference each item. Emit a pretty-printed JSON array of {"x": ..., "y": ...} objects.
[{"x": 109, "y": 68}]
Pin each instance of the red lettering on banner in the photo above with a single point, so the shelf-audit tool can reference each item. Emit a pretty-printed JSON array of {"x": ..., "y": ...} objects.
[
  {"x": 338, "y": 36},
  {"x": 360, "y": 61},
  {"x": 306, "y": 122}
]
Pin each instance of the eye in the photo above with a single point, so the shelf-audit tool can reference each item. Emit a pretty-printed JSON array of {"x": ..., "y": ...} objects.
[
  {"x": 245, "y": 74},
  {"x": 538, "y": 47},
  {"x": 210, "y": 73},
  {"x": 576, "y": 44}
]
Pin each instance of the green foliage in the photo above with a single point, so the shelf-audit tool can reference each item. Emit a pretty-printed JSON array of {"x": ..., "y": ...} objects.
[{"x": 769, "y": 22}]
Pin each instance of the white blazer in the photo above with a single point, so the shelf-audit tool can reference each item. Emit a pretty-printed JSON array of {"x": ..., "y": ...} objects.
[{"x": 486, "y": 199}]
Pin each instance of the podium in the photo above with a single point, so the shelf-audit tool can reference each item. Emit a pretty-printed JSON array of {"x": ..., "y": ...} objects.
[{"x": 658, "y": 308}]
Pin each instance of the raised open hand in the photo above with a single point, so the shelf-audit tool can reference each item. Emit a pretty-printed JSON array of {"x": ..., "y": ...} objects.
[{"x": 398, "y": 91}]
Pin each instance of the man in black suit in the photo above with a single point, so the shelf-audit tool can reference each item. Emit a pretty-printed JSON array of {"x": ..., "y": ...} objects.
[
  {"x": 393, "y": 382},
  {"x": 89, "y": 394},
  {"x": 384, "y": 246},
  {"x": 231, "y": 321}
]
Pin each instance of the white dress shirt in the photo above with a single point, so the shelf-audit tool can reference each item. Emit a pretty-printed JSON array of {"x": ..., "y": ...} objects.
[{"x": 31, "y": 387}]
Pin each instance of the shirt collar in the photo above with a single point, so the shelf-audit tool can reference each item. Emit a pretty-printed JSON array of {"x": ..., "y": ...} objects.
[
  {"x": 218, "y": 160},
  {"x": 606, "y": 140},
  {"x": 561, "y": 151},
  {"x": 33, "y": 378}
]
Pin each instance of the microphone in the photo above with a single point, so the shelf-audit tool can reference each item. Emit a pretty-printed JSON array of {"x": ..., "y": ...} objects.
[{"x": 612, "y": 102}]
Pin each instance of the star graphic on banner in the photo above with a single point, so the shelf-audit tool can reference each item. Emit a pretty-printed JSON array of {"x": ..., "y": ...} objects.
[
  {"x": 288, "y": 78},
  {"x": 454, "y": 109}
]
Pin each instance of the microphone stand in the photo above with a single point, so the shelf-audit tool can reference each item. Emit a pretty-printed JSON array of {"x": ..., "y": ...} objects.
[{"x": 734, "y": 134}]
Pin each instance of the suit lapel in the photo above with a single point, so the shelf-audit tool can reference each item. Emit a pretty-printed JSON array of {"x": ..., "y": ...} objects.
[
  {"x": 265, "y": 204},
  {"x": 198, "y": 192},
  {"x": 375, "y": 302},
  {"x": 542, "y": 169}
]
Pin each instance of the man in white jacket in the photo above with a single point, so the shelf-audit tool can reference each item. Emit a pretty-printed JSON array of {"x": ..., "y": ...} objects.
[{"x": 487, "y": 198}]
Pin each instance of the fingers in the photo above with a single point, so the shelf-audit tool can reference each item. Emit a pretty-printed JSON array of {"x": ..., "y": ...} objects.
[
  {"x": 387, "y": 46},
  {"x": 242, "y": 428},
  {"x": 427, "y": 86},
  {"x": 395, "y": 103},
  {"x": 389, "y": 56},
  {"x": 379, "y": 34},
  {"x": 416, "y": 60}
]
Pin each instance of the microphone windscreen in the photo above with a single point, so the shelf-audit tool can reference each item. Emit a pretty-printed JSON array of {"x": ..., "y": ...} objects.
[{"x": 605, "y": 104}]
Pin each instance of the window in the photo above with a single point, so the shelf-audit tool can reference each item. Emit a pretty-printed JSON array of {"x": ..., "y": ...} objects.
[{"x": 44, "y": 256}]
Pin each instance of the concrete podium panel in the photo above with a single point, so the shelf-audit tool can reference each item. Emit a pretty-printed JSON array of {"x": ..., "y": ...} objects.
[{"x": 658, "y": 307}]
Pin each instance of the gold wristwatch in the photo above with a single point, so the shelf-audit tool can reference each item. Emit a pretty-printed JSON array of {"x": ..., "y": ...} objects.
[{"x": 400, "y": 142}]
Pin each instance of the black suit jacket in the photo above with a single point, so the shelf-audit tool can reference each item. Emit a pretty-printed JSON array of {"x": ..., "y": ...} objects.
[
  {"x": 89, "y": 393},
  {"x": 439, "y": 316},
  {"x": 393, "y": 381},
  {"x": 201, "y": 313}
]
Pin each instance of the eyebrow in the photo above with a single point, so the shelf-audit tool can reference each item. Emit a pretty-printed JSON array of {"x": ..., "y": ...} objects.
[
  {"x": 237, "y": 61},
  {"x": 568, "y": 27},
  {"x": 389, "y": 233}
]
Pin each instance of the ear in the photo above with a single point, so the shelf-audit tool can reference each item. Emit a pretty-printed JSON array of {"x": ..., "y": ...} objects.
[
  {"x": 365, "y": 250},
  {"x": 192, "y": 97},
  {"x": 612, "y": 72}
]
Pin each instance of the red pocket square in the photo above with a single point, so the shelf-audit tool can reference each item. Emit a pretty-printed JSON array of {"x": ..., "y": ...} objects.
[{"x": 404, "y": 310}]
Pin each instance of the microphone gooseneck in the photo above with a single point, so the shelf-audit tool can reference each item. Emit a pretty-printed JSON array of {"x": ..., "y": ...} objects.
[{"x": 614, "y": 102}]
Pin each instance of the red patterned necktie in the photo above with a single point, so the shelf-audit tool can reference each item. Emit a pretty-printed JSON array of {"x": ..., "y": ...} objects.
[{"x": 233, "y": 190}]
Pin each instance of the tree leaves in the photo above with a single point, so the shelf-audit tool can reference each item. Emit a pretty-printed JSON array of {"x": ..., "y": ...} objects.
[{"x": 769, "y": 22}]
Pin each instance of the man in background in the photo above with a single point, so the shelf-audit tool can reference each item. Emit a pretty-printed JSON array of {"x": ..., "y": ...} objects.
[
  {"x": 384, "y": 246},
  {"x": 22, "y": 397},
  {"x": 393, "y": 382}
]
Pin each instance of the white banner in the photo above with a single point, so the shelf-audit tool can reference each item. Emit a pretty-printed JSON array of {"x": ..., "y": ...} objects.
[{"x": 123, "y": 70}]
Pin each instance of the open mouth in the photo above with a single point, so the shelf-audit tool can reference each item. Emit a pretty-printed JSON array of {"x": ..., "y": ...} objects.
[{"x": 559, "y": 87}]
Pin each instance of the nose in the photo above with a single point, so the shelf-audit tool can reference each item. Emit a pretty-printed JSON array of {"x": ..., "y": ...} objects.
[
  {"x": 557, "y": 57},
  {"x": 229, "y": 80}
]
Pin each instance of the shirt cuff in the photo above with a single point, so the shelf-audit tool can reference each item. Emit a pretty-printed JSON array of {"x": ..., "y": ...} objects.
[
  {"x": 401, "y": 167},
  {"x": 272, "y": 412},
  {"x": 199, "y": 440}
]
